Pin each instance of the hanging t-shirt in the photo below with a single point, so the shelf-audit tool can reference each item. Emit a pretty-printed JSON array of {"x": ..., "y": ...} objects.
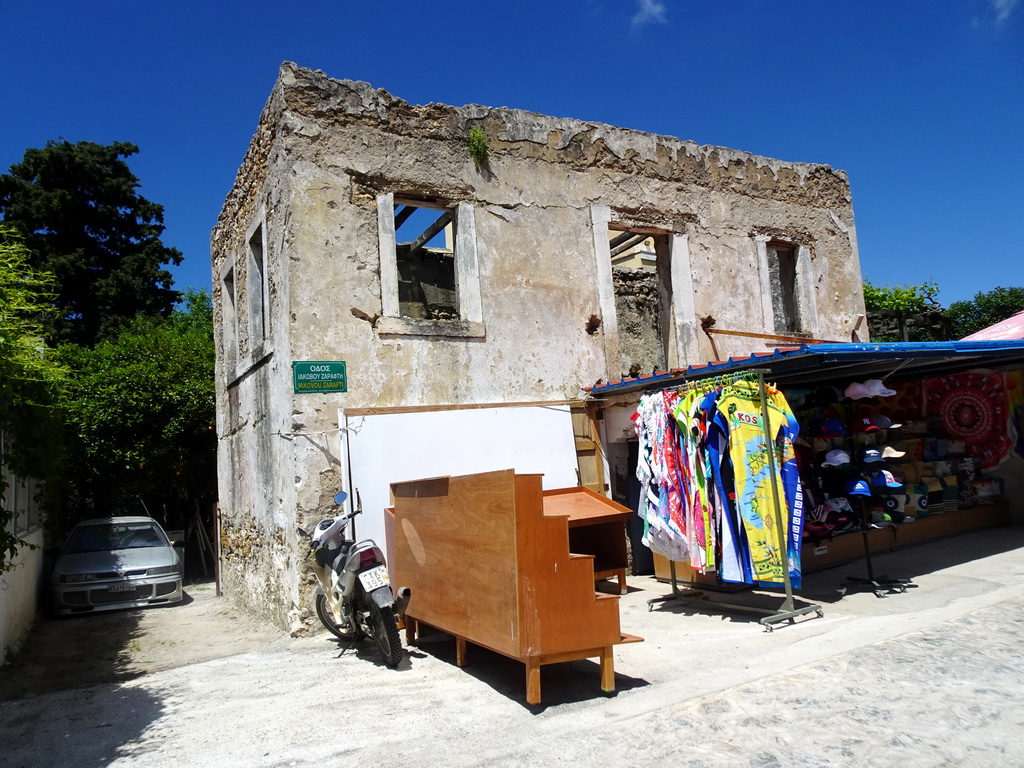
[
  {"x": 733, "y": 562},
  {"x": 790, "y": 476},
  {"x": 698, "y": 513},
  {"x": 658, "y": 470},
  {"x": 740, "y": 404}
]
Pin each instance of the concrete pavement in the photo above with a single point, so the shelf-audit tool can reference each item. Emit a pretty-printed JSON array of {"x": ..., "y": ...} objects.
[{"x": 932, "y": 677}]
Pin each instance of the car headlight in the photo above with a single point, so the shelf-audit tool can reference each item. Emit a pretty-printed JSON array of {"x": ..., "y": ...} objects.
[
  {"x": 73, "y": 578},
  {"x": 161, "y": 570}
]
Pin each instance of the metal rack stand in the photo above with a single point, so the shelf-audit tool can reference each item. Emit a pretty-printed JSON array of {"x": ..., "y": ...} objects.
[
  {"x": 883, "y": 586},
  {"x": 788, "y": 611}
]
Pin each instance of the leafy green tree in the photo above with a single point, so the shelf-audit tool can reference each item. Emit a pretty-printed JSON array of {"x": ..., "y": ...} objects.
[
  {"x": 987, "y": 308},
  {"x": 900, "y": 298},
  {"x": 905, "y": 312},
  {"x": 84, "y": 221},
  {"x": 29, "y": 381},
  {"x": 140, "y": 414}
]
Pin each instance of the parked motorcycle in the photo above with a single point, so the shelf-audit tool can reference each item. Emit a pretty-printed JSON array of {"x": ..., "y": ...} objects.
[{"x": 354, "y": 597}]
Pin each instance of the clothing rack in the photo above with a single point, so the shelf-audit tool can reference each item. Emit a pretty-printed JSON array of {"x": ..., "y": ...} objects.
[{"x": 788, "y": 611}]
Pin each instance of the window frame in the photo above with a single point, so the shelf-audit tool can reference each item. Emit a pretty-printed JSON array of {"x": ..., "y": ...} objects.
[
  {"x": 802, "y": 293},
  {"x": 257, "y": 285},
  {"x": 467, "y": 277},
  {"x": 229, "y": 315}
]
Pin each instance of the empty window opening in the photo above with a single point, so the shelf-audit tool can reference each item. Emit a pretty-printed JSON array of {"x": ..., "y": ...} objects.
[
  {"x": 782, "y": 278},
  {"x": 230, "y": 325},
  {"x": 425, "y": 259},
  {"x": 642, "y": 301},
  {"x": 631, "y": 250},
  {"x": 257, "y": 286}
]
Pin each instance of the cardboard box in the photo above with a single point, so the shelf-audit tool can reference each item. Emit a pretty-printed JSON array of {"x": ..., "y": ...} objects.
[{"x": 684, "y": 573}]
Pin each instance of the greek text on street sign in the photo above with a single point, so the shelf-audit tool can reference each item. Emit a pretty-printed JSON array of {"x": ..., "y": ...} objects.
[{"x": 319, "y": 376}]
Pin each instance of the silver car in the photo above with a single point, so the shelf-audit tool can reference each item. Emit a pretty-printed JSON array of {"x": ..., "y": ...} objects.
[{"x": 115, "y": 562}]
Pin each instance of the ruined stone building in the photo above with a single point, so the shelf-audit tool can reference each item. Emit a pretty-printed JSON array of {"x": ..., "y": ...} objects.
[{"x": 462, "y": 256}]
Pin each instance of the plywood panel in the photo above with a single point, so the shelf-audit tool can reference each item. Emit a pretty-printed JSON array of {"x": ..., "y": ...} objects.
[
  {"x": 455, "y": 546},
  {"x": 561, "y": 610},
  {"x": 589, "y": 456},
  {"x": 583, "y": 506},
  {"x": 596, "y": 527},
  {"x": 385, "y": 448},
  {"x": 488, "y": 565}
]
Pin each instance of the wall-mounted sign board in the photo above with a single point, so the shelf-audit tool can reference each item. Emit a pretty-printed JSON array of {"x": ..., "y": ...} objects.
[{"x": 320, "y": 376}]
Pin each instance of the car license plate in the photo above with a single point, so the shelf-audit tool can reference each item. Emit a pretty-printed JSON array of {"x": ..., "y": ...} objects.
[
  {"x": 121, "y": 588},
  {"x": 374, "y": 578}
]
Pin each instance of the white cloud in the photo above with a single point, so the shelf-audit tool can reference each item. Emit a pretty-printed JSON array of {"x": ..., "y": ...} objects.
[
  {"x": 653, "y": 12},
  {"x": 1003, "y": 9}
]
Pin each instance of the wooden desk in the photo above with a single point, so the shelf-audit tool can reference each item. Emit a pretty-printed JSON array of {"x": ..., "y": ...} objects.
[
  {"x": 597, "y": 526},
  {"x": 488, "y": 564}
]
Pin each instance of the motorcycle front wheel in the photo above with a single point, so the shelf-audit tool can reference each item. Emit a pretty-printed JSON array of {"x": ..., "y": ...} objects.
[
  {"x": 327, "y": 618},
  {"x": 385, "y": 634}
]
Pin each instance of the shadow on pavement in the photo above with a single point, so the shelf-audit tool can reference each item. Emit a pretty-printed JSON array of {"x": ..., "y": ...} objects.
[
  {"x": 79, "y": 650},
  {"x": 100, "y": 725},
  {"x": 566, "y": 682},
  {"x": 915, "y": 560}
]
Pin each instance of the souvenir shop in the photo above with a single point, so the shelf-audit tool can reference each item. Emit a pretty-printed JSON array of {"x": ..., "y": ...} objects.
[{"x": 758, "y": 470}]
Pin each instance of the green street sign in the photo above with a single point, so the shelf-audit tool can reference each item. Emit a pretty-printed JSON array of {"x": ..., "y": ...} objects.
[{"x": 319, "y": 376}]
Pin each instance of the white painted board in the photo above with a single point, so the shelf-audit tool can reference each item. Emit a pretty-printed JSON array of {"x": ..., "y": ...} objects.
[{"x": 394, "y": 447}]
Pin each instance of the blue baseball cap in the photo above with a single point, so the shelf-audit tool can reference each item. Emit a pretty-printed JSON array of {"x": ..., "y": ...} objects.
[
  {"x": 885, "y": 479},
  {"x": 857, "y": 488},
  {"x": 871, "y": 455},
  {"x": 831, "y": 427}
]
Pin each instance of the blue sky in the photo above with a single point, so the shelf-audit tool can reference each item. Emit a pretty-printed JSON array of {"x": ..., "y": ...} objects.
[{"x": 920, "y": 102}]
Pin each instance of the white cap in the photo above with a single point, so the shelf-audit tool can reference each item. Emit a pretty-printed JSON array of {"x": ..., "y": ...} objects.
[
  {"x": 836, "y": 458},
  {"x": 877, "y": 389}
]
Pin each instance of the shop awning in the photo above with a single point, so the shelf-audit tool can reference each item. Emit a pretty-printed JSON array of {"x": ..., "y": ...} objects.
[
  {"x": 1010, "y": 328},
  {"x": 816, "y": 364}
]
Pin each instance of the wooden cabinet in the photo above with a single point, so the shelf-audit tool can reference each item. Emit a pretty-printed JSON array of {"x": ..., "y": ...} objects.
[
  {"x": 597, "y": 526},
  {"x": 489, "y": 563}
]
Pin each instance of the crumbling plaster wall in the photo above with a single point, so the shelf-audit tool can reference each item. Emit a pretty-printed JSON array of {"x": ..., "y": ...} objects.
[
  {"x": 543, "y": 175},
  {"x": 260, "y": 556},
  {"x": 323, "y": 152}
]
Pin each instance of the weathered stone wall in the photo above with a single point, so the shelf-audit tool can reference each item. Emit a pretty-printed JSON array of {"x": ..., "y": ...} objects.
[
  {"x": 638, "y": 309},
  {"x": 325, "y": 149},
  {"x": 261, "y": 561}
]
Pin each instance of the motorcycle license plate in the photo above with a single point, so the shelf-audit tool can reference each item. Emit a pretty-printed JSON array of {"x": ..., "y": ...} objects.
[{"x": 374, "y": 578}]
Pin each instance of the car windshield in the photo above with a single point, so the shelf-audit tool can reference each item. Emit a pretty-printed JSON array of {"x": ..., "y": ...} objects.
[{"x": 103, "y": 537}]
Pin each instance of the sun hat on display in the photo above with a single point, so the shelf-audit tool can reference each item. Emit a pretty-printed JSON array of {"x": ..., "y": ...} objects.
[
  {"x": 836, "y": 458},
  {"x": 870, "y": 388},
  {"x": 856, "y": 391},
  {"x": 876, "y": 388}
]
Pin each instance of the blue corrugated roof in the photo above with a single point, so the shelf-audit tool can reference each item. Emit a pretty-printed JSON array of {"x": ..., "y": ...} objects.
[{"x": 813, "y": 364}]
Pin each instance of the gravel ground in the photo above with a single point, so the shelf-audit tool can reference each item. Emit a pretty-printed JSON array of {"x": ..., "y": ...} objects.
[{"x": 933, "y": 677}]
